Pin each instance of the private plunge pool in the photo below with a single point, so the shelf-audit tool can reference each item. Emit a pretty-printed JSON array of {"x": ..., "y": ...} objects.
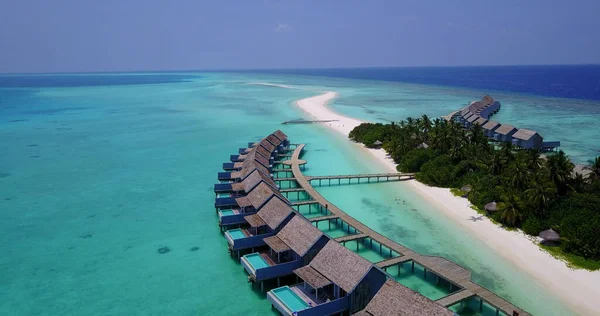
[
  {"x": 256, "y": 261},
  {"x": 291, "y": 300},
  {"x": 236, "y": 233}
]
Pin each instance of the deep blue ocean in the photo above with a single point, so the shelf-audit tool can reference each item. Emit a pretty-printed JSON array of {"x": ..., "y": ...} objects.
[{"x": 560, "y": 81}]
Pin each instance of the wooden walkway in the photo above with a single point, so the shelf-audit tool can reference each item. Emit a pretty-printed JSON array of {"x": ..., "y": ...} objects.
[
  {"x": 442, "y": 267},
  {"x": 345, "y": 239},
  {"x": 322, "y": 218},
  {"x": 366, "y": 178},
  {"x": 455, "y": 298}
]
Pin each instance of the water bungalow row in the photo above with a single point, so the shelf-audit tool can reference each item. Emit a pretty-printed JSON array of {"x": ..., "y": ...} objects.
[
  {"x": 480, "y": 112},
  {"x": 330, "y": 278}
]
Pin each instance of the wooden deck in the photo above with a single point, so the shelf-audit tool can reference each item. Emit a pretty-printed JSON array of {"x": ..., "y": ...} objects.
[{"x": 444, "y": 268}]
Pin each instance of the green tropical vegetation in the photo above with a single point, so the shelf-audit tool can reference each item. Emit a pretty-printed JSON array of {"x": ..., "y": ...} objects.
[{"x": 533, "y": 192}]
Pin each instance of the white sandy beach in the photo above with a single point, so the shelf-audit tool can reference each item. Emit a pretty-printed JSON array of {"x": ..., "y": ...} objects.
[{"x": 578, "y": 288}]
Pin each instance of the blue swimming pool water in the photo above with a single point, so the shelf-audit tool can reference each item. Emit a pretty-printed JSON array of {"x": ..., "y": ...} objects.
[
  {"x": 290, "y": 299},
  {"x": 256, "y": 261},
  {"x": 226, "y": 212},
  {"x": 236, "y": 233}
]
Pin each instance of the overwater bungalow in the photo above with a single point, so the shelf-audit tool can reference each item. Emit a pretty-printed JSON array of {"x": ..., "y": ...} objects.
[
  {"x": 232, "y": 190},
  {"x": 268, "y": 146},
  {"x": 253, "y": 156},
  {"x": 244, "y": 153},
  {"x": 265, "y": 223},
  {"x": 294, "y": 246},
  {"x": 275, "y": 142},
  {"x": 527, "y": 139},
  {"x": 233, "y": 210},
  {"x": 336, "y": 280},
  {"x": 283, "y": 137},
  {"x": 466, "y": 117},
  {"x": 480, "y": 121},
  {"x": 394, "y": 299},
  {"x": 471, "y": 120},
  {"x": 490, "y": 127},
  {"x": 240, "y": 175},
  {"x": 504, "y": 133}
]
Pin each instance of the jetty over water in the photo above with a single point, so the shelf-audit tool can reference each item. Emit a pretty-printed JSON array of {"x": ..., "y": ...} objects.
[
  {"x": 480, "y": 112},
  {"x": 442, "y": 267},
  {"x": 284, "y": 242}
]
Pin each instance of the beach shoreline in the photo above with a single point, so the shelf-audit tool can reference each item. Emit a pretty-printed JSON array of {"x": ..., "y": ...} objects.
[{"x": 576, "y": 288}]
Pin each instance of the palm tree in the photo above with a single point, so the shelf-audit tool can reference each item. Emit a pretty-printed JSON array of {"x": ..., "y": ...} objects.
[
  {"x": 540, "y": 194},
  {"x": 578, "y": 182},
  {"x": 506, "y": 149},
  {"x": 510, "y": 209},
  {"x": 534, "y": 161},
  {"x": 594, "y": 169},
  {"x": 496, "y": 163},
  {"x": 561, "y": 169},
  {"x": 519, "y": 175}
]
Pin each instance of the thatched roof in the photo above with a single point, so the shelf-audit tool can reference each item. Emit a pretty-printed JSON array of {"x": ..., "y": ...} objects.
[
  {"x": 505, "y": 129},
  {"x": 524, "y": 134},
  {"x": 315, "y": 279},
  {"x": 491, "y": 207},
  {"x": 300, "y": 235},
  {"x": 581, "y": 169},
  {"x": 490, "y": 125},
  {"x": 274, "y": 212},
  {"x": 276, "y": 244},
  {"x": 281, "y": 135},
  {"x": 378, "y": 143},
  {"x": 268, "y": 146},
  {"x": 263, "y": 152},
  {"x": 248, "y": 169},
  {"x": 550, "y": 235},
  {"x": 464, "y": 110},
  {"x": 253, "y": 156},
  {"x": 394, "y": 299},
  {"x": 252, "y": 180},
  {"x": 466, "y": 188},
  {"x": 254, "y": 220},
  {"x": 340, "y": 265},
  {"x": 257, "y": 197},
  {"x": 274, "y": 140},
  {"x": 468, "y": 115}
]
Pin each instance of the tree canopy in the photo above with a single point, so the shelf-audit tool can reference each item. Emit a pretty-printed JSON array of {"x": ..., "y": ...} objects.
[{"x": 533, "y": 192}]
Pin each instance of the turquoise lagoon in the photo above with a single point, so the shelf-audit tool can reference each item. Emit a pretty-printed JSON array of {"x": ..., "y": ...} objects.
[{"x": 95, "y": 179}]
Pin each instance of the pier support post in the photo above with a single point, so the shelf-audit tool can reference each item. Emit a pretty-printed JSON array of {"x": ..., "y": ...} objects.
[
  {"x": 480, "y": 304},
  {"x": 425, "y": 273},
  {"x": 262, "y": 286},
  {"x": 278, "y": 282},
  {"x": 413, "y": 267}
]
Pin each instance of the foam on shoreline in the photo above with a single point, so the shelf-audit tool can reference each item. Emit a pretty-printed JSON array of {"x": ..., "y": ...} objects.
[{"x": 577, "y": 288}]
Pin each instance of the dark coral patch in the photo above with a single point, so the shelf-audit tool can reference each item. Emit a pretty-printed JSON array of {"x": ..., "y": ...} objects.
[
  {"x": 164, "y": 250},
  {"x": 194, "y": 248}
]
